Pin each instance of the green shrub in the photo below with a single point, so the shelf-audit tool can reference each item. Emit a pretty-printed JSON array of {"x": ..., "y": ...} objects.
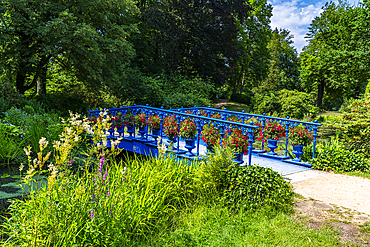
[
  {"x": 354, "y": 125},
  {"x": 9, "y": 97},
  {"x": 34, "y": 126},
  {"x": 241, "y": 98},
  {"x": 251, "y": 187},
  {"x": 336, "y": 156},
  {"x": 285, "y": 103},
  {"x": 267, "y": 103},
  {"x": 210, "y": 177}
]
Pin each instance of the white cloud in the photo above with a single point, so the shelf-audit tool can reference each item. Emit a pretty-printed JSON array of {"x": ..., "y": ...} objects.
[{"x": 295, "y": 16}]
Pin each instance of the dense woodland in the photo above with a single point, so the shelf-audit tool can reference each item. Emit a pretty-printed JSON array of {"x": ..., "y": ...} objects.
[{"x": 85, "y": 54}]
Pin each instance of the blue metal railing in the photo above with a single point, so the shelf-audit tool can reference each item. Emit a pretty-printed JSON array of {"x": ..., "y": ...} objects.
[
  {"x": 221, "y": 124},
  {"x": 287, "y": 123}
]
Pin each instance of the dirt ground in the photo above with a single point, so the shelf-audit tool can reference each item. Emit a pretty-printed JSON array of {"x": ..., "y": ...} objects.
[{"x": 353, "y": 226}]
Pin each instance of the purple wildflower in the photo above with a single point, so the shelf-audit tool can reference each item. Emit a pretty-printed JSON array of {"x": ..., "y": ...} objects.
[
  {"x": 92, "y": 213},
  {"x": 70, "y": 162},
  {"x": 108, "y": 194},
  {"x": 105, "y": 175},
  {"x": 110, "y": 213}
]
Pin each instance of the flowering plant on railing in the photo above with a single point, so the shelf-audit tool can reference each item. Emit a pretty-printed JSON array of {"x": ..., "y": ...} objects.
[
  {"x": 154, "y": 122},
  {"x": 129, "y": 118},
  {"x": 234, "y": 119},
  {"x": 274, "y": 131},
  {"x": 140, "y": 120},
  {"x": 118, "y": 120},
  {"x": 210, "y": 135},
  {"x": 235, "y": 139},
  {"x": 188, "y": 129},
  {"x": 216, "y": 115},
  {"x": 170, "y": 127},
  {"x": 300, "y": 136}
]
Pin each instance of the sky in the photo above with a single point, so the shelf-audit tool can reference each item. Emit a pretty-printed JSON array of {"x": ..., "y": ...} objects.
[{"x": 296, "y": 16}]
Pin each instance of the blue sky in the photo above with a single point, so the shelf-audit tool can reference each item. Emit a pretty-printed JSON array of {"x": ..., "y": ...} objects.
[{"x": 296, "y": 16}]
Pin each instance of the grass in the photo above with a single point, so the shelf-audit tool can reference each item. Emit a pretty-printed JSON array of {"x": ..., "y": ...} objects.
[
  {"x": 234, "y": 106},
  {"x": 213, "y": 225},
  {"x": 357, "y": 174},
  {"x": 329, "y": 113}
]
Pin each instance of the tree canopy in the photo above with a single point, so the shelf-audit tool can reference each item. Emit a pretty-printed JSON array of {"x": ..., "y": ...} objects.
[
  {"x": 336, "y": 61},
  {"x": 86, "y": 37}
]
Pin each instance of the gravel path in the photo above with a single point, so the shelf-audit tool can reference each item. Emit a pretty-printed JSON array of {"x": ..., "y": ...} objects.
[{"x": 341, "y": 190}]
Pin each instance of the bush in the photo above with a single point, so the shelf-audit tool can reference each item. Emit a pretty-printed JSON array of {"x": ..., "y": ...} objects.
[
  {"x": 9, "y": 97},
  {"x": 354, "y": 125},
  {"x": 285, "y": 103},
  {"x": 210, "y": 177},
  {"x": 267, "y": 103},
  {"x": 336, "y": 157},
  {"x": 241, "y": 98},
  {"x": 251, "y": 187}
]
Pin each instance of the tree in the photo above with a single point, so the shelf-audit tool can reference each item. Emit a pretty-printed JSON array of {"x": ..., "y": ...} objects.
[
  {"x": 190, "y": 37},
  {"x": 86, "y": 37},
  {"x": 336, "y": 60},
  {"x": 253, "y": 37},
  {"x": 284, "y": 63}
]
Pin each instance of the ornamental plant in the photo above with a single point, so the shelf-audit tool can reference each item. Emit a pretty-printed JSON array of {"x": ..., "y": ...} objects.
[
  {"x": 188, "y": 129},
  {"x": 216, "y": 115},
  {"x": 210, "y": 135},
  {"x": 236, "y": 140},
  {"x": 129, "y": 118},
  {"x": 119, "y": 120},
  {"x": 170, "y": 127},
  {"x": 140, "y": 120},
  {"x": 300, "y": 136},
  {"x": 154, "y": 122},
  {"x": 274, "y": 131}
]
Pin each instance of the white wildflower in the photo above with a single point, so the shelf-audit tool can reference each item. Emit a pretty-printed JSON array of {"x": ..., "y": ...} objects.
[{"x": 43, "y": 143}]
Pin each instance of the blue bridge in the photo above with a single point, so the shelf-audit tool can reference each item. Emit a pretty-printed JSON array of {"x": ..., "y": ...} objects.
[{"x": 141, "y": 128}]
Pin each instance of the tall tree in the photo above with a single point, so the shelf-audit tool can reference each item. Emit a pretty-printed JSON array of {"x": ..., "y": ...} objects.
[
  {"x": 190, "y": 37},
  {"x": 284, "y": 63},
  {"x": 88, "y": 37},
  {"x": 253, "y": 37},
  {"x": 336, "y": 61}
]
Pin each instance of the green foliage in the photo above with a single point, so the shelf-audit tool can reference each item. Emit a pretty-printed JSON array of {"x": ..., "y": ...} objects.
[
  {"x": 285, "y": 103},
  {"x": 333, "y": 63},
  {"x": 124, "y": 203},
  {"x": 34, "y": 126},
  {"x": 90, "y": 44},
  {"x": 11, "y": 143},
  {"x": 210, "y": 177},
  {"x": 266, "y": 103},
  {"x": 170, "y": 91},
  {"x": 192, "y": 40},
  {"x": 241, "y": 98},
  {"x": 9, "y": 97},
  {"x": 336, "y": 156},
  {"x": 251, "y": 187},
  {"x": 354, "y": 125},
  {"x": 284, "y": 66}
]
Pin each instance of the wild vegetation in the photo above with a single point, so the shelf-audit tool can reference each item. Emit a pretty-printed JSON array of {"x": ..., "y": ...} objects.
[{"x": 62, "y": 56}]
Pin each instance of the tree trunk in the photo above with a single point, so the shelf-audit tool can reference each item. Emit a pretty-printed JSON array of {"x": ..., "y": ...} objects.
[
  {"x": 20, "y": 80},
  {"x": 41, "y": 82},
  {"x": 320, "y": 93},
  {"x": 241, "y": 88},
  {"x": 236, "y": 88}
]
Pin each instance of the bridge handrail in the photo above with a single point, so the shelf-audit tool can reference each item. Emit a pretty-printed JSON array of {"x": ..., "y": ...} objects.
[
  {"x": 200, "y": 121},
  {"x": 287, "y": 122}
]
